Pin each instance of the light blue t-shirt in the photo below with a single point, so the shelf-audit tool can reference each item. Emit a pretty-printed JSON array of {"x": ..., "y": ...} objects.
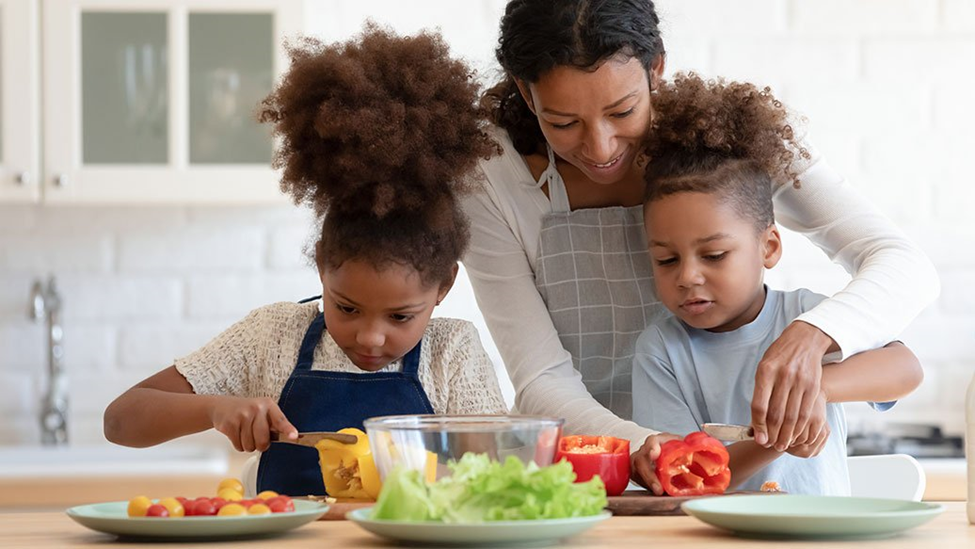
[{"x": 683, "y": 377}]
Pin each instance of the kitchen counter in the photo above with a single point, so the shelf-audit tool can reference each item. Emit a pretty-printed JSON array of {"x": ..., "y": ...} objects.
[{"x": 56, "y": 530}]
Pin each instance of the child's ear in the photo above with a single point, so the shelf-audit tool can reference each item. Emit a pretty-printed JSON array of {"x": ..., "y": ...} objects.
[
  {"x": 773, "y": 246},
  {"x": 446, "y": 285},
  {"x": 526, "y": 94}
]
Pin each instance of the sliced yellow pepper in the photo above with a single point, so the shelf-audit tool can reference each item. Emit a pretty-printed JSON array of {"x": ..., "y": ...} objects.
[{"x": 348, "y": 470}]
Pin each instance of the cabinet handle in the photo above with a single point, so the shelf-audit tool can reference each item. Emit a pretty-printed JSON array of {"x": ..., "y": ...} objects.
[
  {"x": 60, "y": 180},
  {"x": 23, "y": 178}
]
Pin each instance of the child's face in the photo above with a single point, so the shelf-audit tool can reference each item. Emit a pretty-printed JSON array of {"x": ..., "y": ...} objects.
[
  {"x": 708, "y": 262},
  {"x": 375, "y": 316}
]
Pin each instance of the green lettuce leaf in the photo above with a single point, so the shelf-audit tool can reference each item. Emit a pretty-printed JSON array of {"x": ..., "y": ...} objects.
[{"x": 481, "y": 490}]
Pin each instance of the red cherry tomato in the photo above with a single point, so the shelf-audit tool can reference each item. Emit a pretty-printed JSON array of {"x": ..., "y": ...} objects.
[
  {"x": 281, "y": 504},
  {"x": 156, "y": 510},
  {"x": 218, "y": 502},
  {"x": 182, "y": 501},
  {"x": 202, "y": 508}
]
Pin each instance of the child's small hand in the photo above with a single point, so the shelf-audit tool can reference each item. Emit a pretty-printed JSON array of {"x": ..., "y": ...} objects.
[
  {"x": 811, "y": 441},
  {"x": 642, "y": 462},
  {"x": 813, "y": 447},
  {"x": 248, "y": 422}
]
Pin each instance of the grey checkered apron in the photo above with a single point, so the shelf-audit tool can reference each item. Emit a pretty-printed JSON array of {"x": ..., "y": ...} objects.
[{"x": 594, "y": 276}]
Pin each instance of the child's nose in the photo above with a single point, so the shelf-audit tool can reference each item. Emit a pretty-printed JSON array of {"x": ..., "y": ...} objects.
[
  {"x": 370, "y": 337},
  {"x": 690, "y": 275}
]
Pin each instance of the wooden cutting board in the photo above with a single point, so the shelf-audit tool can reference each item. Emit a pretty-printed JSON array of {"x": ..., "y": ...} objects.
[{"x": 643, "y": 503}]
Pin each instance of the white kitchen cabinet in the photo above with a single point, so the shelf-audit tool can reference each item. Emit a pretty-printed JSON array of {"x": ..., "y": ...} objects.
[
  {"x": 153, "y": 101},
  {"x": 19, "y": 102}
]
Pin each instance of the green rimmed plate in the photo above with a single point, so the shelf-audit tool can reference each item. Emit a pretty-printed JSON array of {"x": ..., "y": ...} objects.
[
  {"x": 811, "y": 516},
  {"x": 112, "y": 518},
  {"x": 487, "y": 533}
]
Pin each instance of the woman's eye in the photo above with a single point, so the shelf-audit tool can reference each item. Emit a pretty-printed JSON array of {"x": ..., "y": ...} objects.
[
  {"x": 562, "y": 126},
  {"x": 716, "y": 257},
  {"x": 623, "y": 114},
  {"x": 666, "y": 261}
]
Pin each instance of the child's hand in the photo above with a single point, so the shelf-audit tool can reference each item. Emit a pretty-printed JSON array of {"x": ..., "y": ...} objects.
[
  {"x": 812, "y": 440},
  {"x": 248, "y": 422},
  {"x": 811, "y": 448},
  {"x": 642, "y": 462}
]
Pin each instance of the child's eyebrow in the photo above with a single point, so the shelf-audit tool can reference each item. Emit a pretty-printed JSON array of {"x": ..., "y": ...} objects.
[
  {"x": 705, "y": 240},
  {"x": 352, "y": 302}
]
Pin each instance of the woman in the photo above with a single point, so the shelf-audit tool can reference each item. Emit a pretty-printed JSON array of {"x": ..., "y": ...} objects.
[{"x": 558, "y": 254}]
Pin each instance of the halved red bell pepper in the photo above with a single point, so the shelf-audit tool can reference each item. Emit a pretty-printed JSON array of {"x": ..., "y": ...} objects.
[
  {"x": 694, "y": 466},
  {"x": 608, "y": 457}
]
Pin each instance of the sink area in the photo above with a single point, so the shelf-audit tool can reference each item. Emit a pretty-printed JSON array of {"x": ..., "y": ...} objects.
[{"x": 102, "y": 460}]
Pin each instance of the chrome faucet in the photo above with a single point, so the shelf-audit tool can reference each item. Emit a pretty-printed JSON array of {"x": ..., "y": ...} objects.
[{"x": 45, "y": 304}]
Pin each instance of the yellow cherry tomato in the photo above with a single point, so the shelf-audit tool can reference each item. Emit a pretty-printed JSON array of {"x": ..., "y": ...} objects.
[
  {"x": 232, "y": 510},
  {"x": 230, "y": 494},
  {"x": 174, "y": 507},
  {"x": 232, "y": 484},
  {"x": 259, "y": 509},
  {"x": 138, "y": 506},
  {"x": 267, "y": 494}
]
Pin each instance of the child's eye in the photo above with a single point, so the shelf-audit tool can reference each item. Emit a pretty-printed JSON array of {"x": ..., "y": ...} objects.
[
  {"x": 666, "y": 261},
  {"x": 624, "y": 114},
  {"x": 401, "y": 317},
  {"x": 716, "y": 257},
  {"x": 345, "y": 309}
]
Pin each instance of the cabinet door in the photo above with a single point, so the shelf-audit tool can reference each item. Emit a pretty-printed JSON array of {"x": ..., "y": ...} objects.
[
  {"x": 154, "y": 100},
  {"x": 19, "y": 122}
]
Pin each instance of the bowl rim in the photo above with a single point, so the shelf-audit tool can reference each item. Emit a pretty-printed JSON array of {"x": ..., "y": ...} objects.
[{"x": 460, "y": 422}]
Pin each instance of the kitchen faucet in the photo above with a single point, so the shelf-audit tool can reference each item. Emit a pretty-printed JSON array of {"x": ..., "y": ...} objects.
[{"x": 46, "y": 305}]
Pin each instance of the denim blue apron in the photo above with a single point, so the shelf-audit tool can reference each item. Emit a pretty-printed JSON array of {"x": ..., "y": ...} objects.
[{"x": 316, "y": 400}]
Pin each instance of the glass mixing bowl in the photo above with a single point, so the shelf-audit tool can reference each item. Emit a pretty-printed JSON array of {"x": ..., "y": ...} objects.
[{"x": 427, "y": 442}]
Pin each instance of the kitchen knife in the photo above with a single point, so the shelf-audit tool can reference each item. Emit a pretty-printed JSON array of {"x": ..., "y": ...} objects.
[
  {"x": 311, "y": 438},
  {"x": 728, "y": 432}
]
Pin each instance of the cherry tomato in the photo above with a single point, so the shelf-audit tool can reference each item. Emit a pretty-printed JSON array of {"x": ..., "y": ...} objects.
[
  {"x": 174, "y": 507},
  {"x": 138, "y": 506},
  {"x": 230, "y": 494},
  {"x": 259, "y": 509},
  {"x": 182, "y": 501},
  {"x": 281, "y": 504},
  {"x": 267, "y": 494},
  {"x": 156, "y": 510},
  {"x": 232, "y": 484},
  {"x": 201, "y": 508},
  {"x": 218, "y": 502},
  {"x": 231, "y": 510},
  {"x": 246, "y": 503}
]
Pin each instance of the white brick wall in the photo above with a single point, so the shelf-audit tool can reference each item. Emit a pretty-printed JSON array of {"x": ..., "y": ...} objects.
[{"x": 885, "y": 84}]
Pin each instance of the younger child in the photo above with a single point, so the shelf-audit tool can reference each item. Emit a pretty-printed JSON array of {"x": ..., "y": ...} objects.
[
  {"x": 711, "y": 234},
  {"x": 375, "y": 135}
]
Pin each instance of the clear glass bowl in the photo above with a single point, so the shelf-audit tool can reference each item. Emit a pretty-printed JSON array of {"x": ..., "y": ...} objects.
[{"x": 427, "y": 442}]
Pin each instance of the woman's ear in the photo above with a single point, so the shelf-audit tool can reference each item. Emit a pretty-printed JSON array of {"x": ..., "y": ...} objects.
[
  {"x": 657, "y": 71},
  {"x": 773, "y": 246},
  {"x": 526, "y": 94},
  {"x": 446, "y": 285}
]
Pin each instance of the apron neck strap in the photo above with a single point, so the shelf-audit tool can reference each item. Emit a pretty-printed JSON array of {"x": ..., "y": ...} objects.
[
  {"x": 312, "y": 336},
  {"x": 411, "y": 361},
  {"x": 556, "y": 187}
]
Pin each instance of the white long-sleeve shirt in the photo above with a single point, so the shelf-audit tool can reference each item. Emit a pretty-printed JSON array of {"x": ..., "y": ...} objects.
[{"x": 892, "y": 281}]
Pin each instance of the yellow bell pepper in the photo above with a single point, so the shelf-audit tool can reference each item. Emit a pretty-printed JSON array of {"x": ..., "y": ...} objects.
[{"x": 348, "y": 470}]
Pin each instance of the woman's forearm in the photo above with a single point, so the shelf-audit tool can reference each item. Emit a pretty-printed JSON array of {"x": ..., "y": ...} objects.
[
  {"x": 881, "y": 375},
  {"x": 748, "y": 458},
  {"x": 144, "y": 416}
]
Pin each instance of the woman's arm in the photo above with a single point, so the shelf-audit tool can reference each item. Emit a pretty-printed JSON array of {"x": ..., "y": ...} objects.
[
  {"x": 541, "y": 370},
  {"x": 881, "y": 375}
]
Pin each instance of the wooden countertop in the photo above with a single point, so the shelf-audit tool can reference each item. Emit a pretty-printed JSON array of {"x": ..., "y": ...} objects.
[{"x": 56, "y": 530}]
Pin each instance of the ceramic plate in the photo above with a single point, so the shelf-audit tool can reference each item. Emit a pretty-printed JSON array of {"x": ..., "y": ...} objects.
[
  {"x": 493, "y": 533},
  {"x": 811, "y": 516},
  {"x": 112, "y": 518}
]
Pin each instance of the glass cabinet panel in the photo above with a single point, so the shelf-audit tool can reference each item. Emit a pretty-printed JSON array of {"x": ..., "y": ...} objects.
[
  {"x": 231, "y": 69},
  {"x": 124, "y": 88},
  {"x": 2, "y": 78}
]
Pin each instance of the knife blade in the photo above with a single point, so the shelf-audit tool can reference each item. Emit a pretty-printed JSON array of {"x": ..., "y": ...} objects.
[
  {"x": 311, "y": 438},
  {"x": 728, "y": 432}
]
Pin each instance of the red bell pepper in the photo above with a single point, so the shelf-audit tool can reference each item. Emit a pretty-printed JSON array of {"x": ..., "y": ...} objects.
[
  {"x": 608, "y": 457},
  {"x": 694, "y": 466}
]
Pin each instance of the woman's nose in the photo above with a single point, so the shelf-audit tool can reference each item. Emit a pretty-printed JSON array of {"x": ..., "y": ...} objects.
[{"x": 600, "y": 143}]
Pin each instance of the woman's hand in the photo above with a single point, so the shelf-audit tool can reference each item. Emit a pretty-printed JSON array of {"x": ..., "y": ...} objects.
[
  {"x": 787, "y": 384},
  {"x": 248, "y": 422},
  {"x": 643, "y": 462}
]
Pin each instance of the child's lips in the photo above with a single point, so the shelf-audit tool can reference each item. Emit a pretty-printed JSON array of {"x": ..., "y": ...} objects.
[{"x": 696, "y": 306}]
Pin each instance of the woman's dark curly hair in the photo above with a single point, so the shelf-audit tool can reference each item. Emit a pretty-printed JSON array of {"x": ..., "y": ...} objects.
[
  {"x": 539, "y": 35},
  {"x": 727, "y": 138},
  {"x": 376, "y": 135}
]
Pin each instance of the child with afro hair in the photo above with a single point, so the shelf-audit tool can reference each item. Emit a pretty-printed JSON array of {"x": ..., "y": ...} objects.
[
  {"x": 376, "y": 134},
  {"x": 715, "y": 151}
]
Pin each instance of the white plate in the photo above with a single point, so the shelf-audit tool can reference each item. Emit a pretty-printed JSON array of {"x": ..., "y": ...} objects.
[
  {"x": 112, "y": 518},
  {"x": 493, "y": 533}
]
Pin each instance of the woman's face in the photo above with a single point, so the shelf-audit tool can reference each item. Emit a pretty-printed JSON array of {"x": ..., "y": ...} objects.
[{"x": 595, "y": 120}]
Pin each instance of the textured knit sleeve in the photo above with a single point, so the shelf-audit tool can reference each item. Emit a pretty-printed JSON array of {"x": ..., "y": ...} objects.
[
  {"x": 473, "y": 385},
  {"x": 892, "y": 281},
  {"x": 541, "y": 370},
  {"x": 224, "y": 366},
  {"x": 658, "y": 400}
]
